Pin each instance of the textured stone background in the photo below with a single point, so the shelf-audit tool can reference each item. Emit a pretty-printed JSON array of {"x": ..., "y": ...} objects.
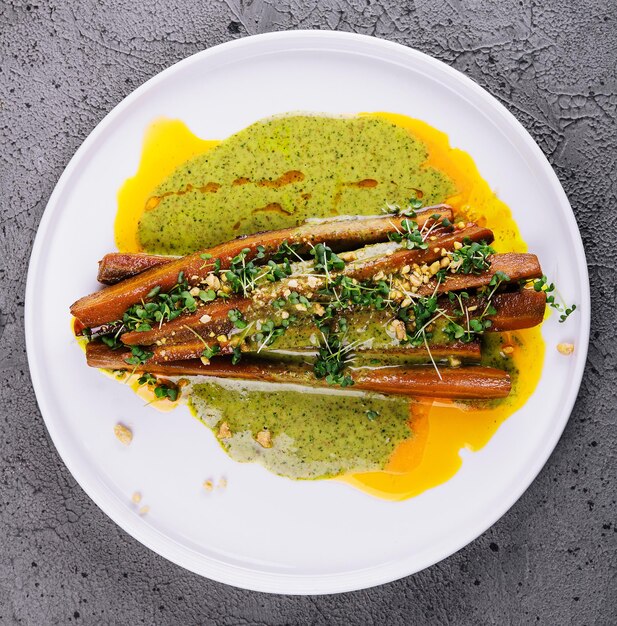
[{"x": 64, "y": 65}]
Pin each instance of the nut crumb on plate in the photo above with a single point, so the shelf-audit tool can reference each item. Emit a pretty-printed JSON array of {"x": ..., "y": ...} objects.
[
  {"x": 136, "y": 497},
  {"x": 565, "y": 348},
  {"x": 123, "y": 434}
]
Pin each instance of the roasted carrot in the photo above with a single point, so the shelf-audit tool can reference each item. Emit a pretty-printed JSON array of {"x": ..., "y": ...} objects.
[
  {"x": 118, "y": 266},
  {"x": 467, "y": 352},
  {"x": 443, "y": 240},
  {"x": 463, "y": 382},
  {"x": 516, "y": 266},
  {"x": 110, "y": 304}
]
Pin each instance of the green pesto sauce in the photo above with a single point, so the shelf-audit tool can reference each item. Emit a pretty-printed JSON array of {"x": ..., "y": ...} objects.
[
  {"x": 319, "y": 163},
  {"x": 314, "y": 435}
]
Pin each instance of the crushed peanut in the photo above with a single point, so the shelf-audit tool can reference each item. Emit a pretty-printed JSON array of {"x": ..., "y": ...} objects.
[
  {"x": 264, "y": 438},
  {"x": 195, "y": 291},
  {"x": 123, "y": 434},
  {"x": 508, "y": 349},
  {"x": 204, "y": 319},
  {"x": 348, "y": 256},
  {"x": 565, "y": 348},
  {"x": 208, "y": 485},
  {"x": 398, "y": 328},
  {"x": 224, "y": 431},
  {"x": 144, "y": 509},
  {"x": 313, "y": 282},
  {"x": 318, "y": 309},
  {"x": 458, "y": 245},
  {"x": 136, "y": 498},
  {"x": 213, "y": 282},
  {"x": 222, "y": 483}
]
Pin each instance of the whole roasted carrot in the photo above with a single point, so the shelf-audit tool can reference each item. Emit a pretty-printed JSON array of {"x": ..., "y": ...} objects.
[
  {"x": 473, "y": 382},
  {"x": 110, "y": 304},
  {"x": 467, "y": 352}
]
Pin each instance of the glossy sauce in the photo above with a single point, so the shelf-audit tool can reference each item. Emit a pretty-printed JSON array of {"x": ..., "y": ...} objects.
[{"x": 440, "y": 429}]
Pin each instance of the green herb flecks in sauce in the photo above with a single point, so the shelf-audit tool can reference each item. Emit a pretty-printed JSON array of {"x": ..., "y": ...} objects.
[
  {"x": 278, "y": 173},
  {"x": 311, "y": 435}
]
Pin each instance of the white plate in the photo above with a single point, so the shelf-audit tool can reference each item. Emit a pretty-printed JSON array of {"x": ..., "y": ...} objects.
[{"x": 264, "y": 532}]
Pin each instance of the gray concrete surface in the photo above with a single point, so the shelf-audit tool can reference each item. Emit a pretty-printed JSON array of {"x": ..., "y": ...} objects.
[{"x": 64, "y": 65}]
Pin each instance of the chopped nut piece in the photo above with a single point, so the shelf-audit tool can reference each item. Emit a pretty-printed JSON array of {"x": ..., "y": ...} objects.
[
  {"x": 348, "y": 256},
  {"x": 144, "y": 509},
  {"x": 406, "y": 302},
  {"x": 222, "y": 483},
  {"x": 460, "y": 225},
  {"x": 123, "y": 434},
  {"x": 318, "y": 309},
  {"x": 293, "y": 283},
  {"x": 208, "y": 485},
  {"x": 398, "y": 328},
  {"x": 435, "y": 267},
  {"x": 195, "y": 291},
  {"x": 213, "y": 282},
  {"x": 264, "y": 438},
  {"x": 508, "y": 349},
  {"x": 205, "y": 360},
  {"x": 414, "y": 280},
  {"x": 224, "y": 431},
  {"x": 453, "y": 361},
  {"x": 136, "y": 498},
  {"x": 285, "y": 315},
  {"x": 204, "y": 319},
  {"x": 287, "y": 293},
  {"x": 222, "y": 338},
  {"x": 565, "y": 348},
  {"x": 445, "y": 261},
  {"x": 300, "y": 307},
  {"x": 313, "y": 282},
  {"x": 458, "y": 245},
  {"x": 406, "y": 269}
]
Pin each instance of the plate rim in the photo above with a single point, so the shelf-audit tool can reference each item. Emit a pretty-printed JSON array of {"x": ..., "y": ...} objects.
[{"x": 228, "y": 573}]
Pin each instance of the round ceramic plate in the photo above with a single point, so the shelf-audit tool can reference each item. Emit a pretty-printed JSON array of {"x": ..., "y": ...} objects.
[{"x": 264, "y": 532}]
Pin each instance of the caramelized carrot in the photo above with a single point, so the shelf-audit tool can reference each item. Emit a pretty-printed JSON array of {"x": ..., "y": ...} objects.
[
  {"x": 117, "y": 266},
  {"x": 463, "y": 382},
  {"x": 386, "y": 264},
  {"x": 342, "y": 234},
  {"x": 467, "y": 352},
  {"x": 516, "y": 266}
]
